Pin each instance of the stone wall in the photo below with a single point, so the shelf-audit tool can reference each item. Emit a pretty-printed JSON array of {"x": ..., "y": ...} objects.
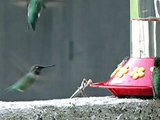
[{"x": 93, "y": 108}]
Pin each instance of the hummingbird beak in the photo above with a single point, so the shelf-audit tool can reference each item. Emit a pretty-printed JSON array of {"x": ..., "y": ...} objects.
[{"x": 48, "y": 66}]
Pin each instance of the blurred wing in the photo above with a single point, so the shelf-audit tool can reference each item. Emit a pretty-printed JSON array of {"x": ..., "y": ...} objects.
[
  {"x": 19, "y": 63},
  {"x": 54, "y": 3},
  {"x": 48, "y": 3},
  {"x": 19, "y": 3}
]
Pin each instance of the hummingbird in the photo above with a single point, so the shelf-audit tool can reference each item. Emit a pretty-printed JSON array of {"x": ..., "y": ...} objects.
[
  {"x": 34, "y": 11},
  {"x": 27, "y": 80},
  {"x": 35, "y": 7},
  {"x": 156, "y": 78}
]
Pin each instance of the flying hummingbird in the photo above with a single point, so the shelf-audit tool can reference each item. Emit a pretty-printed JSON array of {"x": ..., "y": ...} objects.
[
  {"x": 156, "y": 78},
  {"x": 27, "y": 80},
  {"x": 35, "y": 7},
  {"x": 34, "y": 11}
]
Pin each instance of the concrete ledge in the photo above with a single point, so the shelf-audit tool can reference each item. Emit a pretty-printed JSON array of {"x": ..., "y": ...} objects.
[{"x": 93, "y": 108}]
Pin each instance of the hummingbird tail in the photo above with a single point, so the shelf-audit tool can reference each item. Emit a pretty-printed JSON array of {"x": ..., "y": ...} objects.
[{"x": 5, "y": 91}]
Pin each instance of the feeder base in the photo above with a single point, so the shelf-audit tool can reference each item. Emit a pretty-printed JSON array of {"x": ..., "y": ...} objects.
[{"x": 133, "y": 78}]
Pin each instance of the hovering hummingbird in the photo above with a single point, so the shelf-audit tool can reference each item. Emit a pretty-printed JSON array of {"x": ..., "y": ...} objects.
[
  {"x": 34, "y": 11},
  {"x": 156, "y": 78},
  {"x": 35, "y": 7},
  {"x": 27, "y": 80}
]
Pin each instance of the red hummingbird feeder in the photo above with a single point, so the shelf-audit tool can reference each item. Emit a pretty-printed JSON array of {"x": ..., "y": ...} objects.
[{"x": 133, "y": 76}]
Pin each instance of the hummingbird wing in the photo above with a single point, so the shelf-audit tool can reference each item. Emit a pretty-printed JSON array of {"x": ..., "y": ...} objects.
[
  {"x": 5, "y": 91},
  {"x": 20, "y": 3},
  {"x": 20, "y": 64},
  {"x": 53, "y": 3},
  {"x": 48, "y": 3}
]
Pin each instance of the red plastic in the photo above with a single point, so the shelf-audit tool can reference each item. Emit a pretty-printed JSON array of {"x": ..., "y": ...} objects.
[{"x": 126, "y": 85}]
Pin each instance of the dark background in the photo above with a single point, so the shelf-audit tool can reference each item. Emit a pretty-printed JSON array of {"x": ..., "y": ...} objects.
[{"x": 84, "y": 38}]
